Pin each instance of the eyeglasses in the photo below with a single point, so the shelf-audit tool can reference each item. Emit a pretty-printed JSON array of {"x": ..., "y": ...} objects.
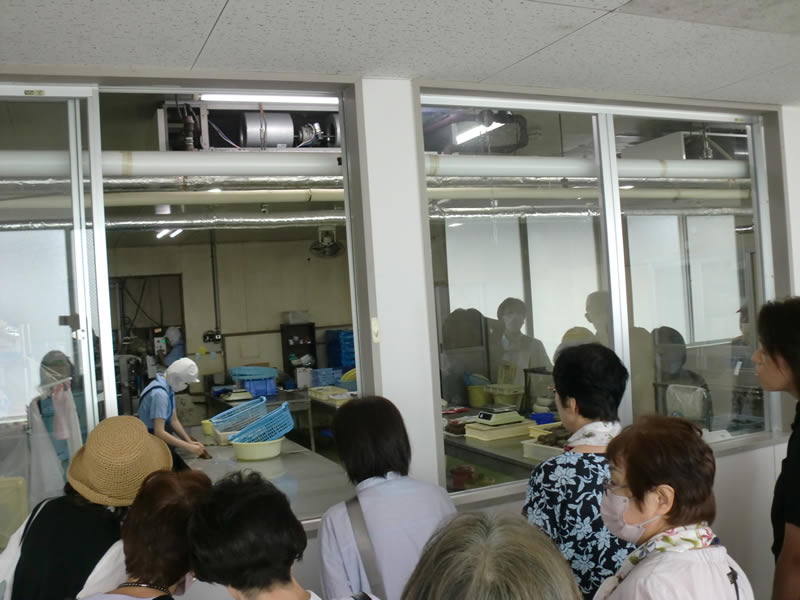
[{"x": 608, "y": 486}]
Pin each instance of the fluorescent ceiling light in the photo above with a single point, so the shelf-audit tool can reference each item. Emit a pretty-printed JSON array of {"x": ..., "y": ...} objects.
[
  {"x": 269, "y": 99},
  {"x": 176, "y": 233},
  {"x": 162, "y": 233},
  {"x": 215, "y": 190},
  {"x": 470, "y": 134}
]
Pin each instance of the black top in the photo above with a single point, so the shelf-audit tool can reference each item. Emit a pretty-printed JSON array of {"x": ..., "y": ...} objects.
[
  {"x": 563, "y": 500},
  {"x": 62, "y": 546},
  {"x": 786, "y": 502}
]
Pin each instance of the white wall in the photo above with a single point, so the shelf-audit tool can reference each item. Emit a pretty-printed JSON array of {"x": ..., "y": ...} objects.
[
  {"x": 484, "y": 263},
  {"x": 789, "y": 117},
  {"x": 564, "y": 271},
  {"x": 716, "y": 297},
  {"x": 656, "y": 275},
  {"x": 258, "y": 280},
  {"x": 34, "y": 269}
]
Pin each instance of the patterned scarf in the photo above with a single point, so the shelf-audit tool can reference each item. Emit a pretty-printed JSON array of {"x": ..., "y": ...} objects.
[
  {"x": 677, "y": 539},
  {"x": 596, "y": 433}
]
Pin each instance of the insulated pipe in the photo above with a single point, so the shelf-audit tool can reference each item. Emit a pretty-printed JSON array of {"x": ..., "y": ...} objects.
[
  {"x": 337, "y": 195},
  {"x": 337, "y": 218},
  {"x": 542, "y": 166},
  {"x": 179, "y": 183},
  {"x": 306, "y": 219},
  {"x": 55, "y": 163}
]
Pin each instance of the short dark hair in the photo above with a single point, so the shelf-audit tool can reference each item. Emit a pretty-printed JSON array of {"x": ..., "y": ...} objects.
[
  {"x": 245, "y": 535},
  {"x": 658, "y": 450},
  {"x": 155, "y": 532},
  {"x": 511, "y": 305},
  {"x": 594, "y": 376},
  {"x": 779, "y": 332},
  {"x": 371, "y": 438}
]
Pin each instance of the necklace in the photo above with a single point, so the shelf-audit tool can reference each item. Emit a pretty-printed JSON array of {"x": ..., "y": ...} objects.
[{"x": 160, "y": 588}]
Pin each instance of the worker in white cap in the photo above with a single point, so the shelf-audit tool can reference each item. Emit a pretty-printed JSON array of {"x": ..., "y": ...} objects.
[
  {"x": 157, "y": 408},
  {"x": 177, "y": 348}
]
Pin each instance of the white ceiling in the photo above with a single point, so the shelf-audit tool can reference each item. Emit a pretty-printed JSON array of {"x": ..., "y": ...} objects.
[{"x": 740, "y": 50}]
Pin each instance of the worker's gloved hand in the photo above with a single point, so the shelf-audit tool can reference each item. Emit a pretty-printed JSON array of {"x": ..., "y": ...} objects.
[{"x": 197, "y": 448}]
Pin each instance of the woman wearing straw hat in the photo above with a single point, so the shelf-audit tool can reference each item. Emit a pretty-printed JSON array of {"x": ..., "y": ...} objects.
[{"x": 64, "y": 538}]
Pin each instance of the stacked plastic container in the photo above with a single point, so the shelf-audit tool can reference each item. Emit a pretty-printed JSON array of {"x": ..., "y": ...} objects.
[
  {"x": 259, "y": 381},
  {"x": 341, "y": 349}
]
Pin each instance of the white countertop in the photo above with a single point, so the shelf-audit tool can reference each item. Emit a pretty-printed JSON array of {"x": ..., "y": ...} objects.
[{"x": 312, "y": 482}]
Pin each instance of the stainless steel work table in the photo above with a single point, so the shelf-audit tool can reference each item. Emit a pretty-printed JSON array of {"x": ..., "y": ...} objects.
[
  {"x": 312, "y": 482},
  {"x": 499, "y": 455}
]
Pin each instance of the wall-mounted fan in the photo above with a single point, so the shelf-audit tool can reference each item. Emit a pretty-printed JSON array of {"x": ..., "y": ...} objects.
[{"x": 326, "y": 245}]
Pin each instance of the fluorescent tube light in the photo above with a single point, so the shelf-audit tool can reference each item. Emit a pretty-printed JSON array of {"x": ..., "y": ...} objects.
[
  {"x": 215, "y": 190},
  {"x": 454, "y": 224},
  {"x": 162, "y": 233},
  {"x": 269, "y": 99},
  {"x": 176, "y": 233},
  {"x": 471, "y": 134}
]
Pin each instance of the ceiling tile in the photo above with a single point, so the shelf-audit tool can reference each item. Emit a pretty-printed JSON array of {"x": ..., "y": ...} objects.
[
  {"x": 781, "y": 86},
  {"x": 645, "y": 55},
  {"x": 780, "y": 16},
  {"x": 446, "y": 39},
  {"x": 83, "y": 32}
]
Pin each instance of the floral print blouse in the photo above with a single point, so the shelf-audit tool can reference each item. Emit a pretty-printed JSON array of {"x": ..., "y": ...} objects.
[{"x": 563, "y": 500}]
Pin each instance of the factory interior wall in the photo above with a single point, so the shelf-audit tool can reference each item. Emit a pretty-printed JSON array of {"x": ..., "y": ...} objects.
[{"x": 258, "y": 281}]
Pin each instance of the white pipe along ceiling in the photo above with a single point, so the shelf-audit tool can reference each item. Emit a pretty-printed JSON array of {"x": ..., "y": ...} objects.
[{"x": 54, "y": 163}]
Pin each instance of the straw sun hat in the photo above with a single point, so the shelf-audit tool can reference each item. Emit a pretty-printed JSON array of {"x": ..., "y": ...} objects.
[{"x": 119, "y": 453}]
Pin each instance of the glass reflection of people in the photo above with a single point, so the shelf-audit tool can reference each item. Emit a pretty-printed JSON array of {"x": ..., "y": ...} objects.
[
  {"x": 747, "y": 398},
  {"x": 57, "y": 424},
  {"x": 574, "y": 336},
  {"x": 464, "y": 350},
  {"x": 509, "y": 347},
  {"x": 670, "y": 361},
  {"x": 598, "y": 313}
]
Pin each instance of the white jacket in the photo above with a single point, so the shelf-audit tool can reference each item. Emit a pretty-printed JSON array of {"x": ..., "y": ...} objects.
[{"x": 691, "y": 575}]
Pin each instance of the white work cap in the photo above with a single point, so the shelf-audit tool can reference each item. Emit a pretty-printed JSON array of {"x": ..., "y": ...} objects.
[
  {"x": 173, "y": 335},
  {"x": 181, "y": 373}
]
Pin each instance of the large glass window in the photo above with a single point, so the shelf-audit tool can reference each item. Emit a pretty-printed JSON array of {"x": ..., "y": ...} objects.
[
  {"x": 227, "y": 244},
  {"x": 519, "y": 272},
  {"x": 692, "y": 273},
  {"x": 48, "y": 317}
]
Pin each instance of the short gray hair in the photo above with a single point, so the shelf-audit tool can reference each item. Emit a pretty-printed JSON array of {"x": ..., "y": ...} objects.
[{"x": 478, "y": 556}]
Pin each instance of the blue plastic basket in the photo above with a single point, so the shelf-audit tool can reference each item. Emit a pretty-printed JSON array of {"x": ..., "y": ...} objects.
[
  {"x": 260, "y": 387},
  {"x": 272, "y": 426},
  {"x": 247, "y": 373},
  {"x": 237, "y": 417}
]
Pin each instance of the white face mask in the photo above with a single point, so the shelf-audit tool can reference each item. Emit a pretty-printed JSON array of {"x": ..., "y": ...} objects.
[{"x": 612, "y": 509}]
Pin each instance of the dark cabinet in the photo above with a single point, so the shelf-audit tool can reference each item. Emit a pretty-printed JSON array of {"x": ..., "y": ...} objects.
[{"x": 296, "y": 341}]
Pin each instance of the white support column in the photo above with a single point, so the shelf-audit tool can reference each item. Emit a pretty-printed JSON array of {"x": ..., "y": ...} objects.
[
  {"x": 790, "y": 146},
  {"x": 398, "y": 257}
]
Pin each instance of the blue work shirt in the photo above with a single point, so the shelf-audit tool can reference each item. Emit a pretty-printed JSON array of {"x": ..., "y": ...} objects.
[
  {"x": 157, "y": 401},
  {"x": 177, "y": 351}
]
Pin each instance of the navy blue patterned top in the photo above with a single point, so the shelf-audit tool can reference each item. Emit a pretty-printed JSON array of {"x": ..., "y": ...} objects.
[{"x": 563, "y": 500}]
